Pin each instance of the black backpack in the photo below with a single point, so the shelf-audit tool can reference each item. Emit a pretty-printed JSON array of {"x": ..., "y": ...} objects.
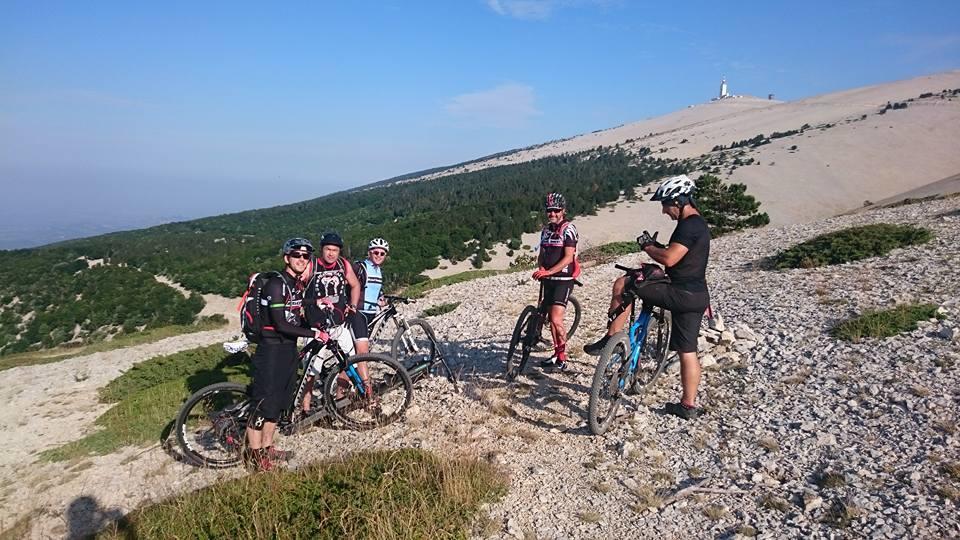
[{"x": 254, "y": 318}]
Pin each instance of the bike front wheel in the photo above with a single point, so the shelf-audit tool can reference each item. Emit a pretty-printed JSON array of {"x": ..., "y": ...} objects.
[
  {"x": 653, "y": 356},
  {"x": 211, "y": 426},
  {"x": 518, "y": 352},
  {"x": 383, "y": 399},
  {"x": 415, "y": 345},
  {"x": 609, "y": 382}
]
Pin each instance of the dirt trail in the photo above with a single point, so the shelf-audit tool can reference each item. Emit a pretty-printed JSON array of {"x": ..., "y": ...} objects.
[{"x": 48, "y": 405}]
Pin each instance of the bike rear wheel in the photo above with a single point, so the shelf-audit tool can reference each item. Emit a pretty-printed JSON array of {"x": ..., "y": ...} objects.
[
  {"x": 516, "y": 356},
  {"x": 571, "y": 320},
  {"x": 415, "y": 346},
  {"x": 211, "y": 425},
  {"x": 653, "y": 356},
  {"x": 609, "y": 381},
  {"x": 390, "y": 392}
]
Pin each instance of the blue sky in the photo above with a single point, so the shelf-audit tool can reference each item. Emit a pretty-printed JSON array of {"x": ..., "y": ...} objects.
[{"x": 123, "y": 114}]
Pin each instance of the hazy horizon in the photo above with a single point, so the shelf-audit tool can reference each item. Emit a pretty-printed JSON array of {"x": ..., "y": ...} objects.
[{"x": 117, "y": 116}]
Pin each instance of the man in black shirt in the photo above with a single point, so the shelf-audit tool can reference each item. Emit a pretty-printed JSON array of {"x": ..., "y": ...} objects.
[
  {"x": 275, "y": 362},
  {"x": 686, "y": 295}
]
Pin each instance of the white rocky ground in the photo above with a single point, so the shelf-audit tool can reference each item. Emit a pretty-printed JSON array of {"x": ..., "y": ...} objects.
[{"x": 787, "y": 403}]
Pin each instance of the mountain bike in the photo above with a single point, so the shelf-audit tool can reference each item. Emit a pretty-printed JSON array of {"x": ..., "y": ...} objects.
[
  {"x": 415, "y": 343},
  {"x": 631, "y": 360},
  {"x": 529, "y": 336},
  {"x": 211, "y": 425}
]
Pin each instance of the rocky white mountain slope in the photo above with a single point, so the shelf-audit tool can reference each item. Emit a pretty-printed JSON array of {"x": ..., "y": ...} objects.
[{"x": 805, "y": 435}]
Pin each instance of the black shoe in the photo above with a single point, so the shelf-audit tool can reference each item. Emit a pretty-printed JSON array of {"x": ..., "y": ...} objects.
[
  {"x": 555, "y": 363},
  {"x": 678, "y": 409},
  {"x": 595, "y": 348}
]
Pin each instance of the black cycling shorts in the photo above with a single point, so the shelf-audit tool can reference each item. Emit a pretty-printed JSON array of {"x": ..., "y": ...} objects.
[
  {"x": 274, "y": 377},
  {"x": 359, "y": 323},
  {"x": 686, "y": 309},
  {"x": 556, "y": 292}
]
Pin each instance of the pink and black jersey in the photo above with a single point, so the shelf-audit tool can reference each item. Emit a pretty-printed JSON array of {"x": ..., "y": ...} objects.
[{"x": 553, "y": 239}]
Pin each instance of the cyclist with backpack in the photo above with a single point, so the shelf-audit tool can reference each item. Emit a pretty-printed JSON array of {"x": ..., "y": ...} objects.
[
  {"x": 557, "y": 269},
  {"x": 370, "y": 275},
  {"x": 331, "y": 299},
  {"x": 275, "y": 361},
  {"x": 685, "y": 295}
]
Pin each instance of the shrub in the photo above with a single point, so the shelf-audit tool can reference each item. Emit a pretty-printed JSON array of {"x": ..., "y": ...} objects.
[
  {"x": 851, "y": 244},
  {"x": 380, "y": 494},
  {"x": 440, "y": 309},
  {"x": 884, "y": 323},
  {"x": 608, "y": 252}
]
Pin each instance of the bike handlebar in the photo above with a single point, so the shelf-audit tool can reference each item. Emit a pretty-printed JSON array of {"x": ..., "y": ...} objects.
[{"x": 399, "y": 299}]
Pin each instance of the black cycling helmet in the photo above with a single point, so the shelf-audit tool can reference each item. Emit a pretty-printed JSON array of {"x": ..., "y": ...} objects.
[
  {"x": 555, "y": 201},
  {"x": 295, "y": 244},
  {"x": 332, "y": 239}
]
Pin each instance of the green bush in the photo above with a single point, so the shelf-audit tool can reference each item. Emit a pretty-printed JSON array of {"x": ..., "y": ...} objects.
[
  {"x": 149, "y": 396},
  {"x": 851, "y": 244},
  {"x": 608, "y": 252},
  {"x": 395, "y": 494},
  {"x": 440, "y": 309},
  {"x": 884, "y": 323}
]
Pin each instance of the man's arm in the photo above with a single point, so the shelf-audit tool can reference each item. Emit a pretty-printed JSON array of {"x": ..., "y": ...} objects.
[
  {"x": 668, "y": 256},
  {"x": 354, "y": 283},
  {"x": 277, "y": 307}
]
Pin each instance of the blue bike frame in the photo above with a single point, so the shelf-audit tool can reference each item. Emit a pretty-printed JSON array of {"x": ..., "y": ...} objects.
[{"x": 638, "y": 337}]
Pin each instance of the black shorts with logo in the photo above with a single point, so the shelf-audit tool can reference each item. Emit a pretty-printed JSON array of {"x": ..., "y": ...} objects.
[
  {"x": 274, "y": 377},
  {"x": 556, "y": 292},
  {"x": 686, "y": 309}
]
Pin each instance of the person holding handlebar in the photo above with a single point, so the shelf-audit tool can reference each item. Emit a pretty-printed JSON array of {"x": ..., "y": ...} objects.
[
  {"x": 685, "y": 295},
  {"x": 555, "y": 262}
]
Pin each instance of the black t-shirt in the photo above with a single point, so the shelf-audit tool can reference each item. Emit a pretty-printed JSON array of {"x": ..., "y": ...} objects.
[{"x": 690, "y": 273}]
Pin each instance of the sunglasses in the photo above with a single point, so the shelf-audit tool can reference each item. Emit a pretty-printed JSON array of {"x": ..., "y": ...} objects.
[
  {"x": 378, "y": 253},
  {"x": 298, "y": 255},
  {"x": 554, "y": 210}
]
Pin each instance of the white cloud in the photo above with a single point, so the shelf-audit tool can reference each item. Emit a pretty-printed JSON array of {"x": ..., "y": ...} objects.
[
  {"x": 538, "y": 9},
  {"x": 506, "y": 106}
]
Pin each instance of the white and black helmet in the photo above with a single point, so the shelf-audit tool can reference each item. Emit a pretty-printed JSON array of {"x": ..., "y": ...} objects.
[
  {"x": 675, "y": 189},
  {"x": 379, "y": 243}
]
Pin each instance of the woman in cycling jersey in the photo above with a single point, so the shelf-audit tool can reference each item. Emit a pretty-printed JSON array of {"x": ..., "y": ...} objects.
[{"x": 558, "y": 248}]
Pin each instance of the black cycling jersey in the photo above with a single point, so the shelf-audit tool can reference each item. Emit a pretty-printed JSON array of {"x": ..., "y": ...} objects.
[
  {"x": 690, "y": 272},
  {"x": 284, "y": 296},
  {"x": 554, "y": 238},
  {"x": 328, "y": 285}
]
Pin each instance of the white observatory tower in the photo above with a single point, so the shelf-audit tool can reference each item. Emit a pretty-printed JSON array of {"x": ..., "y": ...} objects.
[{"x": 723, "y": 89}]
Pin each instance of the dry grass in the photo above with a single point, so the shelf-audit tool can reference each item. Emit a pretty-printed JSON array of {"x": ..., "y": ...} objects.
[
  {"x": 951, "y": 469},
  {"x": 841, "y": 514},
  {"x": 774, "y": 502},
  {"x": 589, "y": 516},
  {"x": 945, "y": 425},
  {"x": 948, "y": 492},
  {"x": 647, "y": 497},
  {"x": 830, "y": 480},
  {"x": 920, "y": 391},
  {"x": 602, "y": 487},
  {"x": 18, "y": 529},
  {"x": 770, "y": 444},
  {"x": 745, "y": 530},
  {"x": 715, "y": 511},
  {"x": 799, "y": 377}
]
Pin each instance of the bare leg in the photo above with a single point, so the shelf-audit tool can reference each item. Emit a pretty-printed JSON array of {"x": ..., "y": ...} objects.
[
  {"x": 689, "y": 377},
  {"x": 557, "y": 331},
  {"x": 307, "y": 393},
  {"x": 615, "y": 301},
  {"x": 257, "y": 439}
]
